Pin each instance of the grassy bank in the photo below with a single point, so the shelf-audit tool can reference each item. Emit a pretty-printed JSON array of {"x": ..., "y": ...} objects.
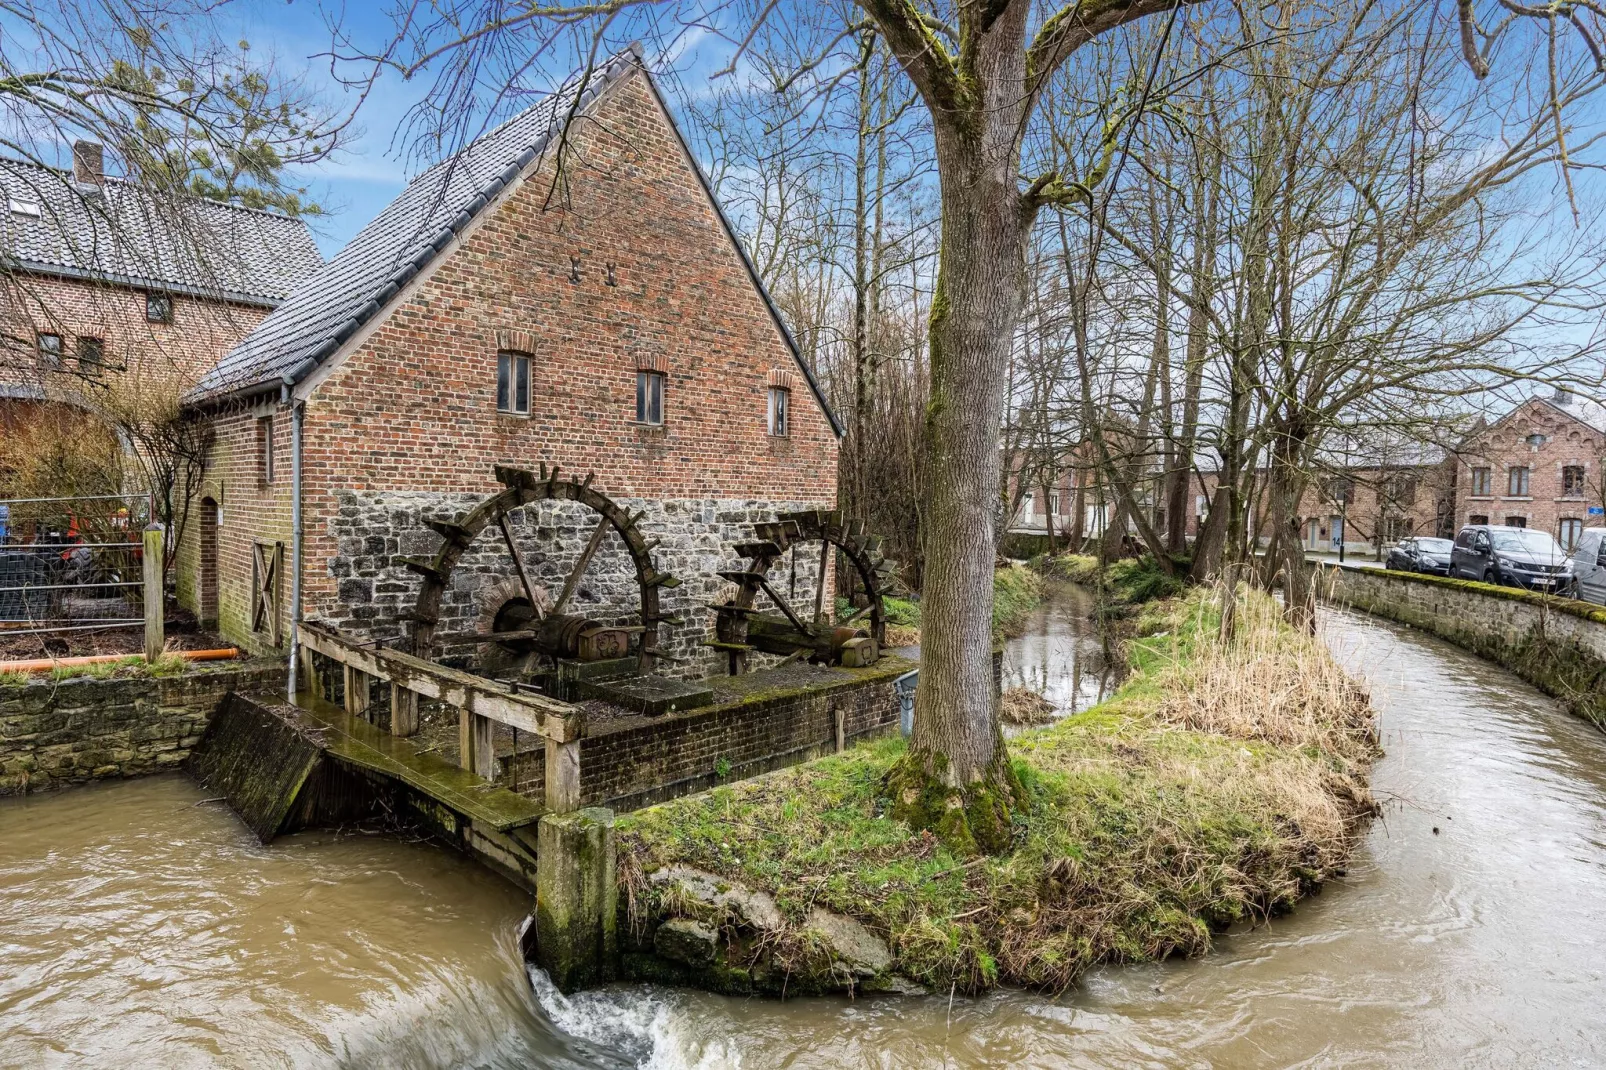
[
  {"x": 1129, "y": 581},
  {"x": 1016, "y": 592},
  {"x": 1218, "y": 785}
]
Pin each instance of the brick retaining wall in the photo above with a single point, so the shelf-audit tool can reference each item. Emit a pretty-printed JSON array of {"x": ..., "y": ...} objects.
[
  {"x": 1557, "y": 644},
  {"x": 637, "y": 761},
  {"x": 59, "y": 732}
]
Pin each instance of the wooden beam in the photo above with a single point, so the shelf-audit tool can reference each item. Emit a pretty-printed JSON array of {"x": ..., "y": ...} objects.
[
  {"x": 539, "y": 714},
  {"x": 403, "y": 711},
  {"x": 155, "y": 627},
  {"x": 819, "y": 589},
  {"x": 357, "y": 685},
  {"x": 780, "y": 604},
  {"x": 538, "y": 602},
  {"x": 562, "y": 776},
  {"x": 579, "y": 569}
]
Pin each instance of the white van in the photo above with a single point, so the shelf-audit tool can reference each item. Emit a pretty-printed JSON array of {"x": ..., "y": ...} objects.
[{"x": 1589, "y": 565}]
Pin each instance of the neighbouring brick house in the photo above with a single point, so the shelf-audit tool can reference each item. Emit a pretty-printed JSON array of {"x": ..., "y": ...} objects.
[
  {"x": 105, "y": 284},
  {"x": 495, "y": 313},
  {"x": 1369, "y": 494},
  {"x": 1538, "y": 466}
]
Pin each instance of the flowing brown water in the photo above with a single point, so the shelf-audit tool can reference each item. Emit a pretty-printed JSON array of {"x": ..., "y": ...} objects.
[{"x": 138, "y": 928}]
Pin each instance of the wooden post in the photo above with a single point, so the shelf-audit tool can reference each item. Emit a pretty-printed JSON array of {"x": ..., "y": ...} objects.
[
  {"x": 484, "y": 730},
  {"x": 465, "y": 739},
  {"x": 155, "y": 627},
  {"x": 403, "y": 711},
  {"x": 562, "y": 775},
  {"x": 358, "y": 694},
  {"x": 841, "y": 728}
]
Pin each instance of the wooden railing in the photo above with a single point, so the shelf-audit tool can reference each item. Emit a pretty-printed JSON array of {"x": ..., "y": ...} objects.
[{"x": 481, "y": 704}]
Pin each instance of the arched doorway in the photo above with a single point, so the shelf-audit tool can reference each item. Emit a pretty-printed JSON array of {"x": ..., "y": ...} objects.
[{"x": 206, "y": 580}]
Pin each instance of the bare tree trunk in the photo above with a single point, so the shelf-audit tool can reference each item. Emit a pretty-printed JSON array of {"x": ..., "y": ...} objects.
[{"x": 956, "y": 777}]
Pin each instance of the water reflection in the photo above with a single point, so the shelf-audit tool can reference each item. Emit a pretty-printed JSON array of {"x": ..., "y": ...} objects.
[{"x": 1063, "y": 654}]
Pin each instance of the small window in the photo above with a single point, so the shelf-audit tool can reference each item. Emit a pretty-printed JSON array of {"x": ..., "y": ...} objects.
[
  {"x": 1482, "y": 484},
  {"x": 1568, "y": 531},
  {"x": 1572, "y": 481},
  {"x": 1535, "y": 440},
  {"x": 780, "y": 411},
  {"x": 49, "y": 350},
  {"x": 265, "y": 449},
  {"x": 1477, "y": 518},
  {"x": 158, "y": 308},
  {"x": 91, "y": 357},
  {"x": 1516, "y": 521},
  {"x": 650, "y": 397},
  {"x": 513, "y": 383},
  {"x": 1517, "y": 483},
  {"x": 1201, "y": 505}
]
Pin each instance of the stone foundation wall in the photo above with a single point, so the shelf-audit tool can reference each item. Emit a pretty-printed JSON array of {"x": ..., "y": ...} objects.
[
  {"x": 370, "y": 530},
  {"x": 1557, "y": 644},
  {"x": 59, "y": 732}
]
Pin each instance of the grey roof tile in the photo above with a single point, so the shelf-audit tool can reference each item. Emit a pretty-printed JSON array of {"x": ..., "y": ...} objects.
[
  {"x": 401, "y": 241},
  {"x": 120, "y": 232}
]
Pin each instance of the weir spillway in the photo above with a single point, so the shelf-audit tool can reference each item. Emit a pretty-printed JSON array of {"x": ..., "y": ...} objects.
[{"x": 287, "y": 768}]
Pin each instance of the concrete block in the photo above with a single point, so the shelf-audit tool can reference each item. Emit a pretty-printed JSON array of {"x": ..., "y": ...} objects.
[{"x": 577, "y": 898}]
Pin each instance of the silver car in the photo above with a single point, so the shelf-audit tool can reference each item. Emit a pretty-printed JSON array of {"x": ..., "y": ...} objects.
[{"x": 1589, "y": 565}]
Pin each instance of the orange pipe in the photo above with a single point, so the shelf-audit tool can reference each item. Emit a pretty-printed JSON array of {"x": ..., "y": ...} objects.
[{"x": 46, "y": 664}]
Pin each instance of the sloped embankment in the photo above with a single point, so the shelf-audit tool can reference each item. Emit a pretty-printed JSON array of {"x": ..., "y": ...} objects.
[{"x": 1224, "y": 781}]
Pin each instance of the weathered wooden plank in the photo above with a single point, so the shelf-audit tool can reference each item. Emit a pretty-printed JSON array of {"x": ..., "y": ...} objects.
[{"x": 539, "y": 714}]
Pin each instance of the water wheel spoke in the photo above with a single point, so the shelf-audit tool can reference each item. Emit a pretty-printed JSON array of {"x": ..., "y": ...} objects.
[
  {"x": 580, "y": 565},
  {"x": 538, "y": 598}
]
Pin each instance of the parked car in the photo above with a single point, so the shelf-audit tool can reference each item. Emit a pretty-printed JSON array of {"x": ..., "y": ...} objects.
[
  {"x": 1589, "y": 565},
  {"x": 1421, "y": 554},
  {"x": 1515, "y": 557}
]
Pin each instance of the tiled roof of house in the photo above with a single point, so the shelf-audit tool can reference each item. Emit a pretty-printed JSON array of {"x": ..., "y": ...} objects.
[
  {"x": 1587, "y": 412},
  {"x": 399, "y": 243},
  {"x": 121, "y": 233}
]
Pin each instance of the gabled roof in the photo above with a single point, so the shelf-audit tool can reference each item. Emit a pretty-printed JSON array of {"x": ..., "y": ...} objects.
[
  {"x": 1592, "y": 414},
  {"x": 404, "y": 239},
  {"x": 122, "y": 233}
]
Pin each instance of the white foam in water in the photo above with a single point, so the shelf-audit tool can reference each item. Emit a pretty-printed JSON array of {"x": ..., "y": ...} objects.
[{"x": 635, "y": 1023}]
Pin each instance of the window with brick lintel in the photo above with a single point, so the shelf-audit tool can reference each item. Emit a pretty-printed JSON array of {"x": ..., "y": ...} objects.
[
  {"x": 649, "y": 397},
  {"x": 513, "y": 383}
]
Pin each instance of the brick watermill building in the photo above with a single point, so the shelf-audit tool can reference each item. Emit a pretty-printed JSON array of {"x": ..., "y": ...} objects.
[{"x": 532, "y": 494}]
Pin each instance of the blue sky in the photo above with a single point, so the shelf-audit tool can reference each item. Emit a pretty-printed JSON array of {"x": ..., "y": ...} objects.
[{"x": 356, "y": 185}]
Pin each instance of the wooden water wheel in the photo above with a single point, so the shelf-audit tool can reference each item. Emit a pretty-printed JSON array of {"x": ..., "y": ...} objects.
[
  {"x": 742, "y": 628},
  {"x": 537, "y": 621}
]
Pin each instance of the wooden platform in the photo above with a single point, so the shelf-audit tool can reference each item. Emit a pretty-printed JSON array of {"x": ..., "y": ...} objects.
[{"x": 355, "y": 742}]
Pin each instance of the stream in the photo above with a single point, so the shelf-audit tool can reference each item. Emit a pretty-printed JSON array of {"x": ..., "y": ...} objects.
[{"x": 141, "y": 925}]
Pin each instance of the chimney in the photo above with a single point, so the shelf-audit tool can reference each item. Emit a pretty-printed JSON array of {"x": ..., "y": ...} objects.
[
  {"x": 1563, "y": 396},
  {"x": 88, "y": 163}
]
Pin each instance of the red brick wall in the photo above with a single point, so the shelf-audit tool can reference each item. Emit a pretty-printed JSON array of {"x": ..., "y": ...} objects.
[{"x": 201, "y": 332}]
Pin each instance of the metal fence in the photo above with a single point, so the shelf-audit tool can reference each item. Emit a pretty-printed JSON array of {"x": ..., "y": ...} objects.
[{"x": 72, "y": 564}]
